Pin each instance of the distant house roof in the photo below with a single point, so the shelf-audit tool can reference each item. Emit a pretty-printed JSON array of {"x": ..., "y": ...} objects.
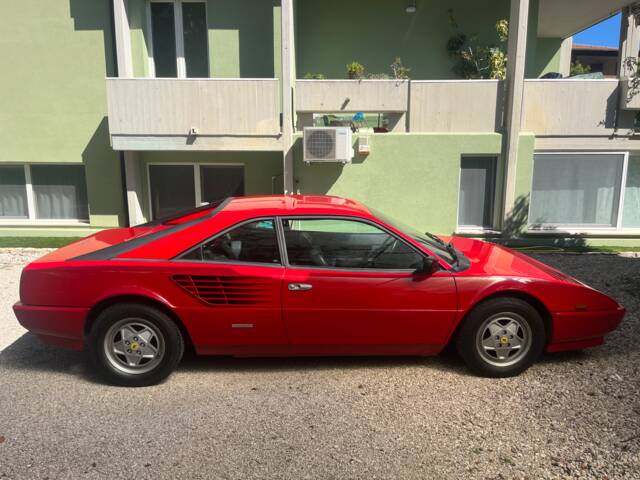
[{"x": 593, "y": 48}]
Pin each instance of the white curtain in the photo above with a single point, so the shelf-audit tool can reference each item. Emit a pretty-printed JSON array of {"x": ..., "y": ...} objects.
[
  {"x": 574, "y": 189},
  {"x": 60, "y": 192},
  {"x": 13, "y": 201},
  {"x": 57, "y": 201},
  {"x": 631, "y": 212},
  {"x": 13, "y": 193}
]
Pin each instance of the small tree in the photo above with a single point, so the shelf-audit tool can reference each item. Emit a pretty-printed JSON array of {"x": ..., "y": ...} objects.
[{"x": 475, "y": 60}]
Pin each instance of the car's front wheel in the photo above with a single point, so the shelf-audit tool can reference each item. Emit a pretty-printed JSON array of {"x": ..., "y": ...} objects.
[
  {"x": 501, "y": 337},
  {"x": 135, "y": 345}
]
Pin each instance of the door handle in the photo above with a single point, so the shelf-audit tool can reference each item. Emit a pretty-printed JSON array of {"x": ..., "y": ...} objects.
[{"x": 299, "y": 287}]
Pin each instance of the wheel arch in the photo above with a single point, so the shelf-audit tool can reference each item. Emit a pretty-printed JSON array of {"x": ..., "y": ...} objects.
[
  {"x": 532, "y": 300},
  {"x": 105, "y": 303}
]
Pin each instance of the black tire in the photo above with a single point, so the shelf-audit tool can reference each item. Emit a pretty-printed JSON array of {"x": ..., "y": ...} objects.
[
  {"x": 167, "y": 332},
  {"x": 475, "y": 326}
]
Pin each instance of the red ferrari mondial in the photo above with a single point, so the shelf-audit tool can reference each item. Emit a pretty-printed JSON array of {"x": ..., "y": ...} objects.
[{"x": 301, "y": 275}]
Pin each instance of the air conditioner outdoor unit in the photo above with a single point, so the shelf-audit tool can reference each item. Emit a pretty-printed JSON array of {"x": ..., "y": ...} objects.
[{"x": 327, "y": 144}]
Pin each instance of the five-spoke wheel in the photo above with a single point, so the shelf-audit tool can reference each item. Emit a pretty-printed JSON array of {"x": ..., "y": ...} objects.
[
  {"x": 135, "y": 345},
  {"x": 501, "y": 337}
]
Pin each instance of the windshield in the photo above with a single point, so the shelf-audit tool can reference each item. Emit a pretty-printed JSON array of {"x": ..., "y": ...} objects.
[{"x": 431, "y": 242}]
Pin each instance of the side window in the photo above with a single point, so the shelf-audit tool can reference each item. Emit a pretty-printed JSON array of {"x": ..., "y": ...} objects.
[
  {"x": 345, "y": 244},
  {"x": 254, "y": 242}
]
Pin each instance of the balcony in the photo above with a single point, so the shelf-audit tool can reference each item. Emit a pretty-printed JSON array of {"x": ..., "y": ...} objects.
[
  {"x": 194, "y": 114},
  {"x": 445, "y": 106}
]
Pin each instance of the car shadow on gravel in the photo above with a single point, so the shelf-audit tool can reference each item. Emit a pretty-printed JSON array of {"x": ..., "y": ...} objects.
[
  {"x": 28, "y": 353},
  {"x": 445, "y": 362}
]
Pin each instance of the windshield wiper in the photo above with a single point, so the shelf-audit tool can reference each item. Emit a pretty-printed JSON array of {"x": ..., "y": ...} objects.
[
  {"x": 452, "y": 251},
  {"x": 448, "y": 246},
  {"x": 435, "y": 238}
]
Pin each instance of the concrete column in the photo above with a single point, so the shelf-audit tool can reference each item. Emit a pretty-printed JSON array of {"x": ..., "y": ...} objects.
[
  {"x": 629, "y": 38},
  {"x": 516, "y": 54},
  {"x": 123, "y": 38},
  {"x": 133, "y": 182},
  {"x": 565, "y": 56},
  {"x": 287, "y": 83}
]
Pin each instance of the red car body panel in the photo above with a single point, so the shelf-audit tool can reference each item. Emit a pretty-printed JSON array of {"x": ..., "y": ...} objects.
[{"x": 347, "y": 312}]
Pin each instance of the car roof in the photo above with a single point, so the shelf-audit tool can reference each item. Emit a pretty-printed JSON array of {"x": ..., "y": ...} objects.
[{"x": 296, "y": 204}]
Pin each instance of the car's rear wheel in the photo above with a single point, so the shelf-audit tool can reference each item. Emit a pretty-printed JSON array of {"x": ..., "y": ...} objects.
[
  {"x": 501, "y": 337},
  {"x": 135, "y": 345}
]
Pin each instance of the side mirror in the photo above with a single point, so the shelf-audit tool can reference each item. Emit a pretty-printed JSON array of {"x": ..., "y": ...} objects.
[{"x": 427, "y": 266}]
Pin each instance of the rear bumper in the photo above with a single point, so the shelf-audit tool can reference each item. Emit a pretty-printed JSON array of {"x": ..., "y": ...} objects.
[
  {"x": 62, "y": 326},
  {"x": 575, "y": 330}
]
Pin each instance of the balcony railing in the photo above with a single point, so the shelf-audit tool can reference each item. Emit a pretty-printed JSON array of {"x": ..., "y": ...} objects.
[
  {"x": 149, "y": 113},
  {"x": 456, "y": 106},
  {"x": 571, "y": 107},
  {"x": 244, "y": 114},
  {"x": 333, "y": 96}
]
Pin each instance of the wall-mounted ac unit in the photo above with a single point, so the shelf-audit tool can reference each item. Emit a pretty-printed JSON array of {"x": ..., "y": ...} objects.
[{"x": 327, "y": 144}]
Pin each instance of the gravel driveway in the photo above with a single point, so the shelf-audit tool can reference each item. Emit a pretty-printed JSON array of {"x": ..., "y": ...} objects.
[{"x": 573, "y": 415}]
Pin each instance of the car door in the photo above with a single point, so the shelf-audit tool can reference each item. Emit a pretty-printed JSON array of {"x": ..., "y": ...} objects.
[
  {"x": 231, "y": 288},
  {"x": 351, "y": 283}
]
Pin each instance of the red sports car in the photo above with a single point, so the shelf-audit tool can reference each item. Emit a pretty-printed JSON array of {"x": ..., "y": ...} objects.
[{"x": 301, "y": 275}]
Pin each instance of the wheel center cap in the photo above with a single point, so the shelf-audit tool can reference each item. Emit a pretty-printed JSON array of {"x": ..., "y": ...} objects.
[
  {"x": 135, "y": 346},
  {"x": 504, "y": 340}
]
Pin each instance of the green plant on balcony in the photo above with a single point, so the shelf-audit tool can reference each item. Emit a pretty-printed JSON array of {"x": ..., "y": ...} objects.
[
  {"x": 632, "y": 71},
  {"x": 355, "y": 70},
  {"x": 314, "y": 76},
  {"x": 399, "y": 71},
  {"x": 474, "y": 59},
  {"x": 578, "y": 68}
]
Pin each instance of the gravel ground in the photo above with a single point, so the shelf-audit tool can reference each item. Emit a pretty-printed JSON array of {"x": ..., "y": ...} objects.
[{"x": 573, "y": 415}]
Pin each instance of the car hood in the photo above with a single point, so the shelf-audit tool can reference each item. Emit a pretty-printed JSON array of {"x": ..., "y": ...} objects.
[{"x": 490, "y": 259}]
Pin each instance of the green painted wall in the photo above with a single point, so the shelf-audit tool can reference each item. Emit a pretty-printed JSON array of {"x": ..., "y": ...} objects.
[
  {"x": 410, "y": 176},
  {"x": 244, "y": 38},
  {"x": 332, "y": 33},
  {"x": 263, "y": 170},
  {"x": 56, "y": 54},
  {"x": 548, "y": 55},
  {"x": 136, "y": 13}
]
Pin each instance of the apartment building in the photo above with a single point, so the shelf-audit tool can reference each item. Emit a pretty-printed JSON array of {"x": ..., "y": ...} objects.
[{"x": 116, "y": 112}]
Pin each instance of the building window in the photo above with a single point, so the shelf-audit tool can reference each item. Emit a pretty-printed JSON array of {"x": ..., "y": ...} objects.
[
  {"x": 631, "y": 207},
  {"x": 477, "y": 193},
  {"x": 174, "y": 188},
  {"x": 179, "y": 39},
  {"x": 13, "y": 192},
  {"x": 580, "y": 191},
  {"x": 221, "y": 181},
  {"x": 43, "y": 192}
]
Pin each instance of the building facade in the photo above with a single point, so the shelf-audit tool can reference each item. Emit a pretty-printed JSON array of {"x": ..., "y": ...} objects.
[{"x": 116, "y": 112}]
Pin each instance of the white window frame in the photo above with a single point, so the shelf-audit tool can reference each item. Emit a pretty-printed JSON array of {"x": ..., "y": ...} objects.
[
  {"x": 181, "y": 64},
  {"x": 617, "y": 229},
  {"x": 31, "y": 204},
  {"x": 497, "y": 186},
  {"x": 196, "y": 178}
]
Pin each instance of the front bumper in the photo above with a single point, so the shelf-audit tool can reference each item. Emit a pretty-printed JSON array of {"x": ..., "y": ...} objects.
[
  {"x": 62, "y": 326},
  {"x": 581, "y": 329}
]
